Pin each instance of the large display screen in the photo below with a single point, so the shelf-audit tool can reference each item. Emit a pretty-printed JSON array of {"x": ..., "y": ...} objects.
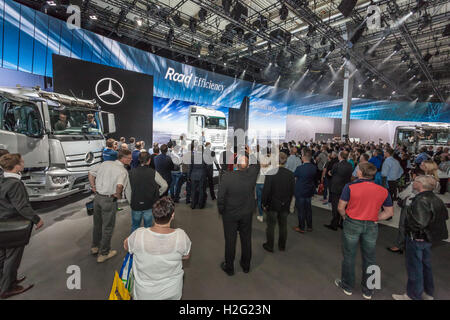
[
  {"x": 129, "y": 95},
  {"x": 173, "y": 118}
]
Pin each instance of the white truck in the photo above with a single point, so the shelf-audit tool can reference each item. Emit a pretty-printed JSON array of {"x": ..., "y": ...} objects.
[
  {"x": 59, "y": 137},
  {"x": 212, "y": 122}
]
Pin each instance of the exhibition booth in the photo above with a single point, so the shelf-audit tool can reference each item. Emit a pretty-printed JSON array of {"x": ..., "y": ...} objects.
[{"x": 152, "y": 97}]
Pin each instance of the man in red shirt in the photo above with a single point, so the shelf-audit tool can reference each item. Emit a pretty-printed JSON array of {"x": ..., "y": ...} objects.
[{"x": 359, "y": 206}]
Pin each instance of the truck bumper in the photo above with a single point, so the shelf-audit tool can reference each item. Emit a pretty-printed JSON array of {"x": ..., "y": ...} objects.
[{"x": 41, "y": 186}]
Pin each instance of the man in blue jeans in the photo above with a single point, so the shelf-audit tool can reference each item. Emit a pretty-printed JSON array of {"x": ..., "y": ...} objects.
[
  {"x": 147, "y": 186},
  {"x": 359, "y": 206},
  {"x": 305, "y": 186},
  {"x": 425, "y": 222}
]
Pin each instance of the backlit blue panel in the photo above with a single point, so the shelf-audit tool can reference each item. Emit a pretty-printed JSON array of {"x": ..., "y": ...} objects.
[
  {"x": 11, "y": 35},
  {"x": 2, "y": 12},
  {"x": 40, "y": 43},
  {"x": 190, "y": 84},
  {"x": 53, "y": 44},
  {"x": 87, "y": 47},
  {"x": 97, "y": 46},
  {"x": 26, "y": 40},
  {"x": 77, "y": 43},
  {"x": 65, "y": 44}
]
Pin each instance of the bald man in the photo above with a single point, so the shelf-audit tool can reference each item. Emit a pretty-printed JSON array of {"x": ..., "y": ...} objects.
[{"x": 236, "y": 203}]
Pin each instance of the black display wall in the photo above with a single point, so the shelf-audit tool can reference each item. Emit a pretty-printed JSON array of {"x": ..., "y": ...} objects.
[{"x": 127, "y": 94}]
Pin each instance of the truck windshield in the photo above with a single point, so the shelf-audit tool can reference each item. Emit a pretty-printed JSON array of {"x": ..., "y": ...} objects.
[
  {"x": 216, "y": 123},
  {"x": 74, "y": 120}
]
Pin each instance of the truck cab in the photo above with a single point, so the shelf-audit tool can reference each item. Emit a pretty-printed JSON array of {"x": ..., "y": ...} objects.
[
  {"x": 212, "y": 122},
  {"x": 59, "y": 137}
]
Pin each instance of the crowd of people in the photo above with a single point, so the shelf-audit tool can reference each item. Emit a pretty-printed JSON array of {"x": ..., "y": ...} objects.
[{"x": 359, "y": 181}]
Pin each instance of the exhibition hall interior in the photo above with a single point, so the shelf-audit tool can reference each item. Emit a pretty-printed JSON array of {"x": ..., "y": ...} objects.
[{"x": 224, "y": 150}]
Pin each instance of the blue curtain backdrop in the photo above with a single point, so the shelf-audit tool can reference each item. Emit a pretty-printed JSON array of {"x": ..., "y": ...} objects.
[{"x": 29, "y": 38}]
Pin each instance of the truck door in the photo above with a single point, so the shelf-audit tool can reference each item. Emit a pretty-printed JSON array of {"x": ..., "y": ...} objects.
[{"x": 22, "y": 131}]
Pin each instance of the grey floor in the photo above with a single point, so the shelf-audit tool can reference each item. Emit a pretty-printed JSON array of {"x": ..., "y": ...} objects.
[{"x": 306, "y": 270}]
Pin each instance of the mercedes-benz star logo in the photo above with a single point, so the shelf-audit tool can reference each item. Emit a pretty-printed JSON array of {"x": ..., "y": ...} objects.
[
  {"x": 89, "y": 157},
  {"x": 109, "y": 91}
]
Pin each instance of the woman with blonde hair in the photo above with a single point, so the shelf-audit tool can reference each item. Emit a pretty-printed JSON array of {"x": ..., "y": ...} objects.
[{"x": 431, "y": 169}]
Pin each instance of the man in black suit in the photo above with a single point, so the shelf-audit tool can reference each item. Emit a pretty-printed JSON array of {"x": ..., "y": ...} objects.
[
  {"x": 236, "y": 203},
  {"x": 164, "y": 166},
  {"x": 341, "y": 175},
  {"x": 276, "y": 198}
]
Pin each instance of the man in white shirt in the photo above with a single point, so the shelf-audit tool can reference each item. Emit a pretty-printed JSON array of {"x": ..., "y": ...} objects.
[{"x": 108, "y": 180}]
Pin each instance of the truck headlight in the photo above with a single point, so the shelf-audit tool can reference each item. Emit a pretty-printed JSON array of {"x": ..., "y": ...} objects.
[{"x": 60, "y": 179}]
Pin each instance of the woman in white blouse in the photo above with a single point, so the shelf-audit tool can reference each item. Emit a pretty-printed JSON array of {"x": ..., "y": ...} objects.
[{"x": 158, "y": 252}]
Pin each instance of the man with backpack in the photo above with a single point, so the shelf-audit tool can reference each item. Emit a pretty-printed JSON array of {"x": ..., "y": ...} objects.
[{"x": 147, "y": 186}]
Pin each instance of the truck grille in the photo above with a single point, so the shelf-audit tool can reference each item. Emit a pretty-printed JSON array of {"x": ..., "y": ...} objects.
[
  {"x": 216, "y": 138},
  {"x": 77, "y": 162}
]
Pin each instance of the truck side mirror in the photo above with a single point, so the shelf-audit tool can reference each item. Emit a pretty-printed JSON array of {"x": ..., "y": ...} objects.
[{"x": 109, "y": 123}]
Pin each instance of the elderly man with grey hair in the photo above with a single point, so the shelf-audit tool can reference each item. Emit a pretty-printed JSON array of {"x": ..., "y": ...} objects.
[
  {"x": 425, "y": 223},
  {"x": 236, "y": 203}
]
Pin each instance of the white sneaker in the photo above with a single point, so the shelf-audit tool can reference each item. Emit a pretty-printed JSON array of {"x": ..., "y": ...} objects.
[
  {"x": 94, "y": 250},
  {"x": 365, "y": 296},
  {"x": 338, "y": 284},
  {"x": 101, "y": 258},
  {"x": 401, "y": 297},
  {"x": 426, "y": 297},
  {"x": 260, "y": 218}
]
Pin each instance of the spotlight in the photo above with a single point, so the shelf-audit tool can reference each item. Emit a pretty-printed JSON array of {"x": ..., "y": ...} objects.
[
  {"x": 427, "y": 57},
  {"x": 426, "y": 21},
  {"x": 420, "y": 5},
  {"x": 51, "y": 3},
  {"x": 332, "y": 47},
  {"x": 311, "y": 30},
  {"x": 193, "y": 25},
  {"x": 323, "y": 41},
  {"x": 202, "y": 14},
  {"x": 170, "y": 36},
  {"x": 211, "y": 49},
  {"x": 284, "y": 12},
  {"x": 177, "y": 20},
  {"x": 139, "y": 22},
  {"x": 405, "y": 58},
  {"x": 226, "y": 4},
  {"x": 93, "y": 17},
  {"x": 397, "y": 47},
  {"x": 308, "y": 49}
]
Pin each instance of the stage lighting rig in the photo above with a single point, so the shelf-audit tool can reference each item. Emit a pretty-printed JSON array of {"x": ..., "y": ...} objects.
[{"x": 405, "y": 57}]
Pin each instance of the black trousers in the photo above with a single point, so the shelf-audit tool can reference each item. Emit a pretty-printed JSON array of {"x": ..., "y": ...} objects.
[
  {"x": 272, "y": 218},
  {"x": 198, "y": 192},
  {"x": 401, "y": 234},
  {"x": 9, "y": 264},
  {"x": 337, "y": 219},
  {"x": 393, "y": 189},
  {"x": 210, "y": 182},
  {"x": 231, "y": 226},
  {"x": 443, "y": 183}
]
